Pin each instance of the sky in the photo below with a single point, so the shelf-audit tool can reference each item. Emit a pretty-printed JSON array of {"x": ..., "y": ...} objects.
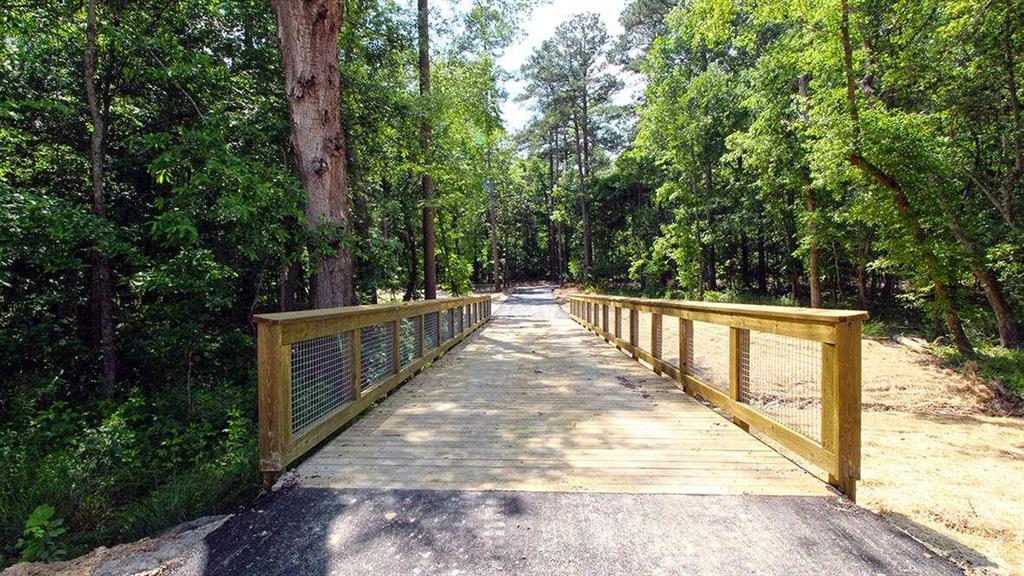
[{"x": 540, "y": 26}]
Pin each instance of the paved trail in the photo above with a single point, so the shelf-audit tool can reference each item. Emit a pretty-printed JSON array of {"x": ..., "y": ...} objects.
[{"x": 534, "y": 448}]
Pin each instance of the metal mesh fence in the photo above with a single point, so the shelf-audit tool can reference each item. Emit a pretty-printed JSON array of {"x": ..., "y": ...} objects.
[
  {"x": 409, "y": 340},
  {"x": 624, "y": 322},
  {"x": 446, "y": 325},
  {"x": 781, "y": 378},
  {"x": 644, "y": 332},
  {"x": 460, "y": 322},
  {"x": 376, "y": 360},
  {"x": 616, "y": 321},
  {"x": 430, "y": 331},
  {"x": 670, "y": 340},
  {"x": 711, "y": 355},
  {"x": 321, "y": 379}
]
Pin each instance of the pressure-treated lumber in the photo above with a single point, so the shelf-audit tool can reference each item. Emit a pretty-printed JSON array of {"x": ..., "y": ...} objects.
[{"x": 839, "y": 332}]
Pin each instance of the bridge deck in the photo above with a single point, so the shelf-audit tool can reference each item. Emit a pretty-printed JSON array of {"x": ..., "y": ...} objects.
[{"x": 533, "y": 403}]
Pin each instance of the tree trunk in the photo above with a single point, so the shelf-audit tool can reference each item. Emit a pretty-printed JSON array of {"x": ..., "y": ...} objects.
[
  {"x": 308, "y": 36},
  {"x": 1009, "y": 334},
  {"x": 410, "y": 243},
  {"x": 101, "y": 284},
  {"x": 744, "y": 262},
  {"x": 762, "y": 261},
  {"x": 493, "y": 218},
  {"x": 813, "y": 272},
  {"x": 552, "y": 235},
  {"x": 585, "y": 216},
  {"x": 426, "y": 182},
  {"x": 902, "y": 203}
]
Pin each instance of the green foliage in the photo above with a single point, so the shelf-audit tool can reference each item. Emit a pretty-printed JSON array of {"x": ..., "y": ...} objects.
[{"x": 39, "y": 540}]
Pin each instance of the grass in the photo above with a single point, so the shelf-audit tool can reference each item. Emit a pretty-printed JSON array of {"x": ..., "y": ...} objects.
[{"x": 991, "y": 362}]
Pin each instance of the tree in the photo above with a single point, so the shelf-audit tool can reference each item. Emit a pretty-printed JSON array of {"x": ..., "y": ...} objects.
[
  {"x": 568, "y": 75},
  {"x": 426, "y": 181},
  {"x": 102, "y": 284},
  {"x": 308, "y": 36}
]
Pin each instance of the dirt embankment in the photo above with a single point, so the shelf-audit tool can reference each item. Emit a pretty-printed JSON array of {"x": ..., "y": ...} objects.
[{"x": 943, "y": 456}]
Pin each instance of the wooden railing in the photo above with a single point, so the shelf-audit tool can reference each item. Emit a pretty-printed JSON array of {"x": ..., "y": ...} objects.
[
  {"x": 793, "y": 374},
  {"x": 319, "y": 369}
]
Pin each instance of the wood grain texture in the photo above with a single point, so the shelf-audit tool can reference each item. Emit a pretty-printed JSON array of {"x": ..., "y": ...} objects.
[{"x": 533, "y": 404}]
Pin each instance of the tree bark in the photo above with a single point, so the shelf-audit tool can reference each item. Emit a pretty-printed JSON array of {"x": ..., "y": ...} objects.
[
  {"x": 582, "y": 175},
  {"x": 813, "y": 272},
  {"x": 1009, "y": 334},
  {"x": 308, "y": 36},
  {"x": 426, "y": 182},
  {"x": 102, "y": 290},
  {"x": 552, "y": 229}
]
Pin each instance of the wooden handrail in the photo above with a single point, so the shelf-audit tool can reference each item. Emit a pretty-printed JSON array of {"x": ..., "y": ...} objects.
[
  {"x": 277, "y": 333},
  {"x": 837, "y": 452}
]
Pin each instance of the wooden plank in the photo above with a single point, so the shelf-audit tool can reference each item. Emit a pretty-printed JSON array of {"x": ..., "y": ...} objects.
[
  {"x": 739, "y": 367},
  {"x": 848, "y": 400},
  {"x": 274, "y": 399},
  {"x": 306, "y": 325},
  {"x": 822, "y": 315},
  {"x": 829, "y": 404}
]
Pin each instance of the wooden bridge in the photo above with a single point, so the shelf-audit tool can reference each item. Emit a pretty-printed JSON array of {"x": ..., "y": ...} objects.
[{"x": 668, "y": 397}]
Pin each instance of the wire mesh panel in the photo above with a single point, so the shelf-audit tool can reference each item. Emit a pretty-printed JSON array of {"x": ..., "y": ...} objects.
[
  {"x": 781, "y": 378},
  {"x": 624, "y": 323},
  {"x": 321, "y": 379},
  {"x": 446, "y": 324},
  {"x": 376, "y": 355},
  {"x": 644, "y": 332},
  {"x": 617, "y": 321},
  {"x": 430, "y": 329},
  {"x": 711, "y": 355},
  {"x": 409, "y": 340},
  {"x": 460, "y": 324},
  {"x": 670, "y": 340}
]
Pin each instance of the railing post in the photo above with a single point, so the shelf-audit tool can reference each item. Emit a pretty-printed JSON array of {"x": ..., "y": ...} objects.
[
  {"x": 634, "y": 328},
  {"x": 396, "y": 346},
  {"x": 656, "y": 342},
  {"x": 357, "y": 363},
  {"x": 451, "y": 323},
  {"x": 841, "y": 405},
  {"x": 604, "y": 317},
  {"x": 739, "y": 366},
  {"x": 274, "y": 365}
]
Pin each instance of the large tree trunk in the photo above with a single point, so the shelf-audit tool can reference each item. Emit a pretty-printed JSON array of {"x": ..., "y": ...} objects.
[
  {"x": 308, "y": 36},
  {"x": 101, "y": 284},
  {"x": 1009, "y": 335},
  {"x": 813, "y": 272},
  {"x": 552, "y": 234},
  {"x": 582, "y": 178},
  {"x": 426, "y": 182}
]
